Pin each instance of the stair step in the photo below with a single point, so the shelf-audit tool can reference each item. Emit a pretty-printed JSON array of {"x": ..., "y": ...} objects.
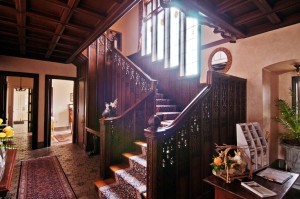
[
  {"x": 167, "y": 115},
  {"x": 163, "y": 101},
  {"x": 159, "y": 96},
  {"x": 143, "y": 146},
  {"x": 117, "y": 167},
  {"x": 130, "y": 154},
  {"x": 117, "y": 191},
  {"x": 141, "y": 143},
  {"x": 165, "y": 123},
  {"x": 134, "y": 179},
  {"x": 101, "y": 183},
  {"x": 166, "y": 108},
  {"x": 139, "y": 164}
]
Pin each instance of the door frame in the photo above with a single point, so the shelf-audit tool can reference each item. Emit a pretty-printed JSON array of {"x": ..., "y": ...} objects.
[
  {"x": 49, "y": 104},
  {"x": 35, "y": 97}
]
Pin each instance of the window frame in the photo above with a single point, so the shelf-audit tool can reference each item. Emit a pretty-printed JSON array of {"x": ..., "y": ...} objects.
[{"x": 181, "y": 67}]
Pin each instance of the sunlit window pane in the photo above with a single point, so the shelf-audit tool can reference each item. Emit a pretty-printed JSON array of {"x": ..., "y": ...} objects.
[
  {"x": 174, "y": 37},
  {"x": 148, "y": 8},
  {"x": 160, "y": 35},
  {"x": 149, "y": 36},
  {"x": 191, "y": 51}
]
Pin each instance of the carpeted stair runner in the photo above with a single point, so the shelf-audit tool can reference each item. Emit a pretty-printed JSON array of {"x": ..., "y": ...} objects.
[
  {"x": 165, "y": 109},
  {"x": 131, "y": 180}
]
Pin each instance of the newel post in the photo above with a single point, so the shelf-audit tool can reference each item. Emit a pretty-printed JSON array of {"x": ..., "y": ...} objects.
[
  {"x": 152, "y": 156},
  {"x": 104, "y": 147}
]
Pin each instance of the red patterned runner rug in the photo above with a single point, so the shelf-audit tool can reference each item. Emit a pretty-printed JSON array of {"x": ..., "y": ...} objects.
[{"x": 43, "y": 178}]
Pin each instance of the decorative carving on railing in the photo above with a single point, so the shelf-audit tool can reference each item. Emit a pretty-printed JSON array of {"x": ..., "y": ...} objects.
[
  {"x": 135, "y": 92},
  {"x": 180, "y": 154}
]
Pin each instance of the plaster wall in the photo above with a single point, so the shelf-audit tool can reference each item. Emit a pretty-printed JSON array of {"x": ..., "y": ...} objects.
[
  {"x": 42, "y": 68},
  {"x": 128, "y": 26},
  {"x": 273, "y": 50}
]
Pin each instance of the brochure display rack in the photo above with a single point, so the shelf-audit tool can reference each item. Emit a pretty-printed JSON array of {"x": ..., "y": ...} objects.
[{"x": 251, "y": 135}]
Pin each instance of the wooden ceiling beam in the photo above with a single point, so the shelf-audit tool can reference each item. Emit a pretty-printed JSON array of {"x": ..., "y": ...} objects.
[
  {"x": 45, "y": 18},
  {"x": 65, "y": 17},
  {"x": 8, "y": 33},
  {"x": 58, "y": 3},
  {"x": 2, "y": 21},
  {"x": 91, "y": 13},
  {"x": 292, "y": 19},
  {"x": 228, "y": 5},
  {"x": 216, "y": 19},
  {"x": 21, "y": 21},
  {"x": 119, "y": 1},
  {"x": 255, "y": 15},
  {"x": 266, "y": 9}
]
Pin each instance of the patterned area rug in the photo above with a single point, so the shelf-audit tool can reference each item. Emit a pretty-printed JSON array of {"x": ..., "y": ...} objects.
[
  {"x": 43, "y": 178},
  {"x": 63, "y": 137}
]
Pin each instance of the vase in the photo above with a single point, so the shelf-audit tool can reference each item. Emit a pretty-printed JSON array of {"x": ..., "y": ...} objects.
[{"x": 292, "y": 157}]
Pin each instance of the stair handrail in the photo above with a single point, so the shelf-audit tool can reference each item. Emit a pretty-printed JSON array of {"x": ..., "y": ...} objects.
[
  {"x": 137, "y": 68},
  {"x": 117, "y": 134},
  {"x": 171, "y": 149}
]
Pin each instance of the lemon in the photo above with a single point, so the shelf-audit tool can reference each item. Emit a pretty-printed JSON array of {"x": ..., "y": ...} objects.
[
  {"x": 10, "y": 133},
  {"x": 6, "y": 129},
  {"x": 2, "y": 135}
]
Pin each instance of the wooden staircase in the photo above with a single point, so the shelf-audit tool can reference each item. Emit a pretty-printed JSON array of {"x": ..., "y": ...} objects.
[{"x": 129, "y": 179}]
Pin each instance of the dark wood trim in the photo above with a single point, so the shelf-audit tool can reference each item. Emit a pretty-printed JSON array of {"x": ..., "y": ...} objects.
[
  {"x": 35, "y": 97},
  {"x": 47, "y": 113}
]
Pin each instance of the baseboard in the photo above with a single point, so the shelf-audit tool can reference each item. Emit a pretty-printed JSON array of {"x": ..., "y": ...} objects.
[
  {"x": 40, "y": 145},
  {"x": 61, "y": 128}
]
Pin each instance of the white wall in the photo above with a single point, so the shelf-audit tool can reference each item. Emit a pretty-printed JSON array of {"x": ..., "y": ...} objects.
[
  {"x": 42, "y": 68},
  {"x": 127, "y": 25},
  {"x": 61, "y": 99}
]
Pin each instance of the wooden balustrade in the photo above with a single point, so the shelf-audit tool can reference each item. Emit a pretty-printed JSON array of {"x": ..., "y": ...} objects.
[
  {"x": 135, "y": 92},
  {"x": 179, "y": 156}
]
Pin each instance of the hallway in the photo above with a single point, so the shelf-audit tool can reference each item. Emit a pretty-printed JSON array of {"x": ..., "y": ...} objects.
[{"x": 80, "y": 169}]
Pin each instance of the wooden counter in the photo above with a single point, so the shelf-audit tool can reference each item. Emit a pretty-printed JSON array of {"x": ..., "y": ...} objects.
[
  {"x": 8, "y": 172},
  {"x": 234, "y": 190}
]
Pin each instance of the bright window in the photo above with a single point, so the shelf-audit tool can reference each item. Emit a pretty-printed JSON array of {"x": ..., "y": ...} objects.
[{"x": 168, "y": 34}]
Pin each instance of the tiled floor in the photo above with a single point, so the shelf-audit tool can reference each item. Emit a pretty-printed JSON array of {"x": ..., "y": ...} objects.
[{"x": 80, "y": 169}]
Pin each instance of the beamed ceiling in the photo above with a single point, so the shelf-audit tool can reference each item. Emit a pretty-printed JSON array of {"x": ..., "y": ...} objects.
[
  {"x": 55, "y": 30},
  {"x": 59, "y": 30}
]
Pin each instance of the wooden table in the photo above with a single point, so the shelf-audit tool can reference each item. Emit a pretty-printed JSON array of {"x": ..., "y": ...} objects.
[
  {"x": 234, "y": 190},
  {"x": 8, "y": 171}
]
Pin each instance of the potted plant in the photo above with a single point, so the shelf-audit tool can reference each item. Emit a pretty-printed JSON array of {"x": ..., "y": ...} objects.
[{"x": 290, "y": 139}]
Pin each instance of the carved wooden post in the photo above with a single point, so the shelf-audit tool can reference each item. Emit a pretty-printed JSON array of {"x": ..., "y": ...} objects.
[
  {"x": 152, "y": 156},
  {"x": 102, "y": 148},
  {"x": 105, "y": 127}
]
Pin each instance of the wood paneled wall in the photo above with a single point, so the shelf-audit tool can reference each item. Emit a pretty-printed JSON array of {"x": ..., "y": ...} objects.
[{"x": 180, "y": 89}]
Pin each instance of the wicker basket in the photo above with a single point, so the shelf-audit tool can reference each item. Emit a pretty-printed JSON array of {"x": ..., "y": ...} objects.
[{"x": 229, "y": 174}]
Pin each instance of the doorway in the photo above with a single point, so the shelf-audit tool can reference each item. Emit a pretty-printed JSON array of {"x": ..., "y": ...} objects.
[
  {"x": 19, "y": 91},
  {"x": 59, "y": 112}
]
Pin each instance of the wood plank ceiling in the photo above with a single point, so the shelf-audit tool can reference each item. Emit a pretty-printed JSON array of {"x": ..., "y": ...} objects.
[
  {"x": 58, "y": 30},
  {"x": 236, "y": 19},
  {"x": 55, "y": 30}
]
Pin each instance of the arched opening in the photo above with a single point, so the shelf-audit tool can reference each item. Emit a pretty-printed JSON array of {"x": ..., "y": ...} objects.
[{"x": 276, "y": 83}]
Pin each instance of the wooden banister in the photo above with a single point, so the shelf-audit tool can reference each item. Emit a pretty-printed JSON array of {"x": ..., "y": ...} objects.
[
  {"x": 179, "y": 156},
  {"x": 135, "y": 92}
]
